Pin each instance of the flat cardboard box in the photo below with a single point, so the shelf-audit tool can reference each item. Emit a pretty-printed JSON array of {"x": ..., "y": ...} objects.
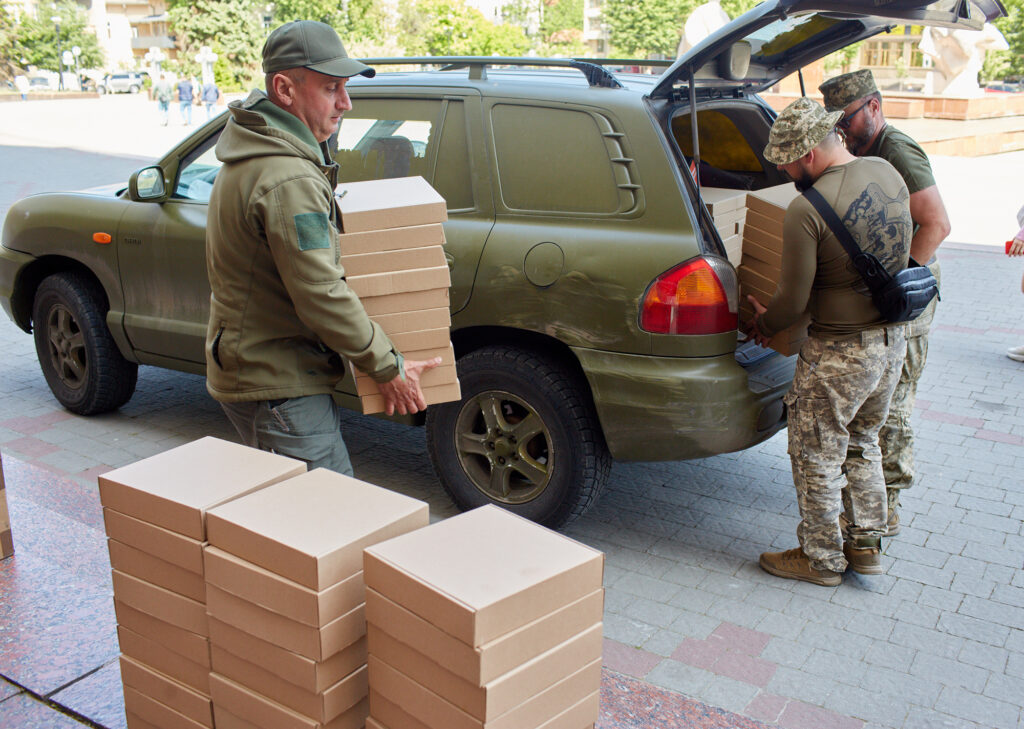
[
  {"x": 390, "y": 239},
  {"x": 362, "y": 264},
  {"x": 306, "y": 673},
  {"x": 437, "y": 713},
  {"x": 400, "y": 282},
  {"x": 754, "y": 280},
  {"x": 753, "y": 248},
  {"x": 281, "y": 595},
  {"x": 731, "y": 218},
  {"x": 423, "y": 339},
  {"x": 265, "y": 713},
  {"x": 385, "y": 714},
  {"x": 770, "y": 200},
  {"x": 389, "y": 203},
  {"x": 159, "y": 572},
  {"x": 133, "y": 721},
  {"x": 485, "y": 663},
  {"x": 191, "y": 646},
  {"x": 178, "y": 610},
  {"x": 733, "y": 249},
  {"x": 723, "y": 199},
  {"x": 163, "y": 659},
  {"x": 227, "y": 720},
  {"x": 436, "y": 377},
  {"x": 323, "y": 706},
  {"x": 159, "y": 715},
  {"x": 482, "y": 574},
  {"x": 167, "y": 691},
  {"x": 315, "y": 643},
  {"x": 414, "y": 321},
  {"x": 174, "y": 489},
  {"x": 772, "y": 226},
  {"x": 410, "y": 301},
  {"x": 161, "y": 543},
  {"x": 765, "y": 270},
  {"x": 312, "y": 529},
  {"x": 446, "y": 353},
  {"x": 501, "y": 694},
  {"x": 435, "y": 395}
]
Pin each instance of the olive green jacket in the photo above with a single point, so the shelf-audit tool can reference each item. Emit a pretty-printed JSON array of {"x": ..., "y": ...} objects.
[{"x": 280, "y": 310}]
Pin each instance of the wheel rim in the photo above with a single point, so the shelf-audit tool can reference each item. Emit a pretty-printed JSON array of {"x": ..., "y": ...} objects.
[
  {"x": 504, "y": 447},
  {"x": 66, "y": 344}
]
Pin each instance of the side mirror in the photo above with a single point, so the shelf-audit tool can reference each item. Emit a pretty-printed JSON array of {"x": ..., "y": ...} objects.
[
  {"x": 146, "y": 184},
  {"x": 734, "y": 62}
]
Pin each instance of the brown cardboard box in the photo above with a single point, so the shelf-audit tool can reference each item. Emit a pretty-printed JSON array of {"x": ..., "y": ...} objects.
[
  {"x": 414, "y": 321},
  {"x": 503, "y": 693},
  {"x": 435, "y": 712},
  {"x": 771, "y": 226},
  {"x": 178, "y": 610},
  {"x": 424, "y": 339},
  {"x": 150, "y": 710},
  {"x": 431, "y": 395},
  {"x": 152, "y": 569},
  {"x": 721, "y": 200},
  {"x": 754, "y": 247},
  {"x": 384, "y": 715},
  {"x": 513, "y": 572},
  {"x": 167, "y": 691},
  {"x": 306, "y": 673},
  {"x": 400, "y": 282},
  {"x": 390, "y": 203},
  {"x": 6, "y": 538},
  {"x": 265, "y": 713},
  {"x": 411, "y": 301},
  {"x": 765, "y": 270},
  {"x": 485, "y": 663},
  {"x": 133, "y": 721},
  {"x": 323, "y": 706},
  {"x": 195, "y": 648},
  {"x": 315, "y": 643},
  {"x": 363, "y": 264},
  {"x": 312, "y": 529},
  {"x": 447, "y": 354},
  {"x": 163, "y": 659},
  {"x": 161, "y": 543},
  {"x": 174, "y": 489},
  {"x": 437, "y": 377},
  {"x": 281, "y": 595},
  {"x": 391, "y": 239},
  {"x": 227, "y": 720},
  {"x": 731, "y": 223},
  {"x": 770, "y": 200}
]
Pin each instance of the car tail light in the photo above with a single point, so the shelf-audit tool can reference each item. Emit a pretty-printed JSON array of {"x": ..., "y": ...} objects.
[{"x": 696, "y": 297}]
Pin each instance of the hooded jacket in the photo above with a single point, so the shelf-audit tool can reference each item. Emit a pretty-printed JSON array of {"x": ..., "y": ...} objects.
[{"x": 281, "y": 312}]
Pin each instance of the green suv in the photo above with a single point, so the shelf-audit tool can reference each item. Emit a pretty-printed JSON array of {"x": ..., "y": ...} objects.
[{"x": 594, "y": 310}]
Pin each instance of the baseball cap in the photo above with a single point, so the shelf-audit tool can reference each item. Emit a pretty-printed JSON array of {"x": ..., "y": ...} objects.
[
  {"x": 313, "y": 45},
  {"x": 841, "y": 91}
]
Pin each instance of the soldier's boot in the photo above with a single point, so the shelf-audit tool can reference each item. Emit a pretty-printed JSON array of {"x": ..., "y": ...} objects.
[
  {"x": 892, "y": 522},
  {"x": 794, "y": 565},
  {"x": 864, "y": 555}
]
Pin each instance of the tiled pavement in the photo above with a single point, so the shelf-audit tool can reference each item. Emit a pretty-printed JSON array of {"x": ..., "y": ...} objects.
[{"x": 697, "y": 635}]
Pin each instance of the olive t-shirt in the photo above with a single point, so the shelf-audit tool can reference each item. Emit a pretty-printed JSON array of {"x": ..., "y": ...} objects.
[
  {"x": 905, "y": 155},
  {"x": 818, "y": 276}
]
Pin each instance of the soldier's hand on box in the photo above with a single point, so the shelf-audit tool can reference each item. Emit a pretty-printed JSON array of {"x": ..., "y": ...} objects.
[
  {"x": 752, "y": 328},
  {"x": 403, "y": 394}
]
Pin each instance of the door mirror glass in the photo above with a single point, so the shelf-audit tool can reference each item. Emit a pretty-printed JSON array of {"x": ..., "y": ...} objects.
[{"x": 147, "y": 183}]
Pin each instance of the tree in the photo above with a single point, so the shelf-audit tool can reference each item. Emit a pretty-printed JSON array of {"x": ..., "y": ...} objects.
[
  {"x": 10, "y": 47},
  {"x": 1008, "y": 64},
  {"x": 650, "y": 28},
  {"x": 357, "y": 21},
  {"x": 233, "y": 29},
  {"x": 451, "y": 28},
  {"x": 36, "y": 37}
]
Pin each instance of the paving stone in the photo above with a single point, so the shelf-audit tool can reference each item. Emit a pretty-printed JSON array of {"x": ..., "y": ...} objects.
[
  {"x": 918, "y": 614},
  {"x": 881, "y": 709},
  {"x": 887, "y": 655},
  {"x": 781, "y": 625},
  {"x": 787, "y": 653},
  {"x": 924, "y": 718},
  {"x": 680, "y": 677},
  {"x": 992, "y": 611},
  {"x": 974, "y": 629},
  {"x": 802, "y": 685},
  {"x": 737, "y": 612},
  {"x": 728, "y": 694},
  {"x": 930, "y": 642},
  {"x": 694, "y": 625},
  {"x": 985, "y": 656},
  {"x": 950, "y": 672},
  {"x": 692, "y": 599},
  {"x": 651, "y": 612},
  {"x": 647, "y": 587},
  {"x": 974, "y": 707},
  {"x": 664, "y": 642},
  {"x": 625, "y": 630}
]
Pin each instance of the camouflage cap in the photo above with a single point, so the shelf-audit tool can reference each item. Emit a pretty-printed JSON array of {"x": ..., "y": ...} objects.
[
  {"x": 841, "y": 91},
  {"x": 310, "y": 44},
  {"x": 799, "y": 128}
]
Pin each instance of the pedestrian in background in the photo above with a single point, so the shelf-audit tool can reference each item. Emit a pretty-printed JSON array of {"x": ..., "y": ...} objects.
[
  {"x": 162, "y": 92},
  {"x": 185, "y": 94},
  {"x": 1017, "y": 249},
  {"x": 211, "y": 95},
  {"x": 21, "y": 83}
]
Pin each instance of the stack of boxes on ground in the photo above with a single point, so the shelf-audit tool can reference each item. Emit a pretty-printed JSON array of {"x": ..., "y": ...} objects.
[
  {"x": 483, "y": 621},
  {"x": 728, "y": 208},
  {"x": 391, "y": 250}
]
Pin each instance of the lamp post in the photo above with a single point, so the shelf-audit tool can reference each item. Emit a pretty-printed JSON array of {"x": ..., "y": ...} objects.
[{"x": 60, "y": 61}]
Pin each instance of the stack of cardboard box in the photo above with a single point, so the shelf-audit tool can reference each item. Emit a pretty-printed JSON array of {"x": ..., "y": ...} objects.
[
  {"x": 285, "y": 597},
  {"x": 483, "y": 620},
  {"x": 391, "y": 250},
  {"x": 155, "y": 515},
  {"x": 761, "y": 267},
  {"x": 728, "y": 208}
]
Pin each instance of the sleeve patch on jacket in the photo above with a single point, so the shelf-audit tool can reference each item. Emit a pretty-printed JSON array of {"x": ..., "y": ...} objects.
[{"x": 313, "y": 231}]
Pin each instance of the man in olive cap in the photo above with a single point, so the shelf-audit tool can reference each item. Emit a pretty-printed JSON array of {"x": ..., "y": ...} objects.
[
  {"x": 281, "y": 312},
  {"x": 849, "y": 363},
  {"x": 869, "y": 135}
]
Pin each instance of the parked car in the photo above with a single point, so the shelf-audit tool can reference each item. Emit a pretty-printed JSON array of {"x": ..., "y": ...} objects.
[
  {"x": 120, "y": 83},
  {"x": 40, "y": 83},
  {"x": 594, "y": 309},
  {"x": 1004, "y": 87}
]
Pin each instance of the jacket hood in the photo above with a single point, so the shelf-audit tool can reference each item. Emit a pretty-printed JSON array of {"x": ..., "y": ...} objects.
[{"x": 258, "y": 128}]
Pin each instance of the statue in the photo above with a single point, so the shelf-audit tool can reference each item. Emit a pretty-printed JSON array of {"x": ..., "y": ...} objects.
[
  {"x": 958, "y": 56},
  {"x": 703, "y": 21}
]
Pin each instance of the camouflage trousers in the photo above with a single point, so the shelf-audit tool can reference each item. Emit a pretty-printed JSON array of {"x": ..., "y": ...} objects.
[{"x": 837, "y": 404}]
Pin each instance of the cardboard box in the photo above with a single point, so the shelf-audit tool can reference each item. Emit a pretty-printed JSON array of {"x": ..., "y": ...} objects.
[
  {"x": 447, "y": 354},
  {"x": 191, "y": 646},
  {"x": 720, "y": 200},
  {"x": 363, "y": 264},
  {"x": 770, "y": 226},
  {"x": 167, "y": 691},
  {"x": 424, "y": 339},
  {"x": 391, "y": 239},
  {"x": 762, "y": 285},
  {"x": 161, "y": 543},
  {"x": 733, "y": 249},
  {"x": 437, "y": 377},
  {"x": 133, "y": 721},
  {"x": 258, "y": 710},
  {"x": 731, "y": 221},
  {"x": 400, "y": 282},
  {"x": 409, "y": 301},
  {"x": 174, "y": 489},
  {"x": 161, "y": 573},
  {"x": 485, "y": 663},
  {"x": 766, "y": 270},
  {"x": 436, "y": 713},
  {"x": 482, "y": 574},
  {"x": 164, "y": 660},
  {"x": 306, "y": 673},
  {"x": 385, "y": 715},
  {"x": 770, "y": 200},
  {"x": 227, "y": 720},
  {"x": 312, "y": 529},
  {"x": 281, "y": 595},
  {"x": 6, "y": 536},
  {"x": 168, "y": 606},
  {"x": 755, "y": 248},
  {"x": 501, "y": 694},
  {"x": 451, "y": 392},
  {"x": 323, "y": 706},
  {"x": 315, "y": 643},
  {"x": 414, "y": 321},
  {"x": 150, "y": 710},
  {"x": 390, "y": 203}
]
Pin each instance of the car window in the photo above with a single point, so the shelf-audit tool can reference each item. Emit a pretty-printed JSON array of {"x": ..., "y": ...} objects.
[
  {"x": 383, "y": 138},
  {"x": 198, "y": 171},
  {"x": 452, "y": 178}
]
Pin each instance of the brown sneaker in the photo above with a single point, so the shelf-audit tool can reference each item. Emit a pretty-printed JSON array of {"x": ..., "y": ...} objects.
[
  {"x": 892, "y": 524},
  {"x": 794, "y": 565},
  {"x": 864, "y": 560}
]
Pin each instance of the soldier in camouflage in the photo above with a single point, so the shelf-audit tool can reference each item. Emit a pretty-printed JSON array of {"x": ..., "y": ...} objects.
[
  {"x": 850, "y": 362},
  {"x": 868, "y": 134}
]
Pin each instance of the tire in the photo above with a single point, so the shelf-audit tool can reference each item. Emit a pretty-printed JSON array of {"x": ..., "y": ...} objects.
[
  {"x": 133, "y": 89},
  {"x": 79, "y": 359},
  {"x": 101, "y": 90},
  {"x": 541, "y": 455}
]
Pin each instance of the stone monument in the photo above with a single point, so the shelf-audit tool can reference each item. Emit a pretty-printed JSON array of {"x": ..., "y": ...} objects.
[
  {"x": 957, "y": 56},
  {"x": 703, "y": 21}
]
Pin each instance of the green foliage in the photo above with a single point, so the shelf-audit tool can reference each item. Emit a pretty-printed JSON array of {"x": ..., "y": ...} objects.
[
  {"x": 234, "y": 31},
  {"x": 357, "y": 21},
  {"x": 736, "y": 8},
  {"x": 36, "y": 38},
  {"x": 10, "y": 47},
  {"x": 1007, "y": 64},
  {"x": 646, "y": 29},
  {"x": 451, "y": 28},
  {"x": 842, "y": 60}
]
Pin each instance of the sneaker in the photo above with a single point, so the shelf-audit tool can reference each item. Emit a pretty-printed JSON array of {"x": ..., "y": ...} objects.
[
  {"x": 1016, "y": 353},
  {"x": 794, "y": 565},
  {"x": 864, "y": 560}
]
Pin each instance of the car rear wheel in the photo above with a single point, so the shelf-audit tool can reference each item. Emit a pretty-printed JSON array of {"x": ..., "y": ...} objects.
[
  {"x": 524, "y": 437},
  {"x": 133, "y": 89},
  {"x": 79, "y": 359},
  {"x": 101, "y": 90}
]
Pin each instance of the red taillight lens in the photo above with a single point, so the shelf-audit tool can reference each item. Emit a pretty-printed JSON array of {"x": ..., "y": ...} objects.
[{"x": 695, "y": 297}]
